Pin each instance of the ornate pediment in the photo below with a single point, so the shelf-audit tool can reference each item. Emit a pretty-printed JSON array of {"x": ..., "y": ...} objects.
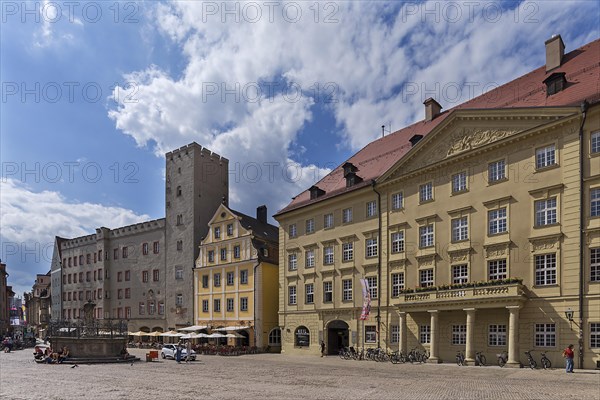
[{"x": 471, "y": 138}]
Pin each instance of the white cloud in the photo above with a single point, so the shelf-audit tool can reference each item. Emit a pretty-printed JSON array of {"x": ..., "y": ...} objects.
[
  {"x": 30, "y": 221},
  {"x": 384, "y": 59}
]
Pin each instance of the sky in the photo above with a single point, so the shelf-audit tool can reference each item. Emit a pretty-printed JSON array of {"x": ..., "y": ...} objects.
[{"x": 94, "y": 93}]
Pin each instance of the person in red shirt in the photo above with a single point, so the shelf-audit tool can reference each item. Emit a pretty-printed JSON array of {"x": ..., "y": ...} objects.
[{"x": 568, "y": 354}]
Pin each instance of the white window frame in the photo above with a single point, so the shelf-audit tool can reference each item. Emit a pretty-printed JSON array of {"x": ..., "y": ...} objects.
[
  {"x": 545, "y": 269},
  {"x": 545, "y": 335},
  {"x": 328, "y": 255},
  {"x": 545, "y": 156},
  {"x": 217, "y": 279},
  {"x": 372, "y": 281},
  {"x": 230, "y": 278},
  {"x": 497, "y": 335},
  {"x": 371, "y": 208},
  {"x": 309, "y": 258},
  {"x": 205, "y": 306},
  {"x": 595, "y": 142},
  {"x": 497, "y": 269},
  {"x": 244, "y": 277},
  {"x": 370, "y": 334},
  {"x": 546, "y": 212},
  {"x": 426, "y": 192},
  {"x": 371, "y": 247},
  {"x": 292, "y": 261},
  {"x": 595, "y": 202},
  {"x": 347, "y": 251},
  {"x": 595, "y": 264},
  {"x": 498, "y": 221},
  {"x": 497, "y": 171},
  {"x": 397, "y": 283},
  {"x": 395, "y": 334},
  {"x": 347, "y": 215},
  {"x": 460, "y": 229},
  {"x": 292, "y": 295},
  {"x": 327, "y": 292},
  {"x": 230, "y": 304},
  {"x": 460, "y": 273},
  {"x": 397, "y": 201},
  {"x": 310, "y": 225},
  {"x": 397, "y": 240},
  {"x": 217, "y": 305},
  {"x": 426, "y": 236},
  {"x": 595, "y": 335},
  {"x": 328, "y": 221},
  {"x": 293, "y": 230},
  {"x": 309, "y": 290},
  {"x": 459, "y": 335},
  {"x": 425, "y": 334},
  {"x": 426, "y": 277},
  {"x": 243, "y": 304},
  {"x": 459, "y": 182},
  {"x": 347, "y": 289}
]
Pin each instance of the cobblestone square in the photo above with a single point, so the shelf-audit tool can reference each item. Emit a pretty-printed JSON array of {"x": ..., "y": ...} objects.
[{"x": 274, "y": 376}]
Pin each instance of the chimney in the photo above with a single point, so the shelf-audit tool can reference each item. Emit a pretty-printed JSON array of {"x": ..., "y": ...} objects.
[
  {"x": 555, "y": 50},
  {"x": 261, "y": 214},
  {"x": 432, "y": 109}
]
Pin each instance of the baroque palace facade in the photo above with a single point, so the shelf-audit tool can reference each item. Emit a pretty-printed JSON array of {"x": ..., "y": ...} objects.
[
  {"x": 143, "y": 272},
  {"x": 476, "y": 229},
  {"x": 236, "y": 278}
]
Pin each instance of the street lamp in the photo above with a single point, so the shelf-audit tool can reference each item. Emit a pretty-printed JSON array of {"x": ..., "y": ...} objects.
[{"x": 569, "y": 314}]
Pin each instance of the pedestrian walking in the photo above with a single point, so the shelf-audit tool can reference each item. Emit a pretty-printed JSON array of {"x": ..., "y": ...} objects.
[
  {"x": 322, "y": 348},
  {"x": 569, "y": 355},
  {"x": 188, "y": 351},
  {"x": 178, "y": 353}
]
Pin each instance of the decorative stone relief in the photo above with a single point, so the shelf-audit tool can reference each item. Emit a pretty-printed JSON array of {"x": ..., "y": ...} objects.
[
  {"x": 427, "y": 261},
  {"x": 471, "y": 138},
  {"x": 543, "y": 245},
  {"x": 458, "y": 256},
  {"x": 496, "y": 250}
]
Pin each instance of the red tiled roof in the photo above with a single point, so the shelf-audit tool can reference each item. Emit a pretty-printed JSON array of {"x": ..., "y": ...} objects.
[{"x": 582, "y": 69}]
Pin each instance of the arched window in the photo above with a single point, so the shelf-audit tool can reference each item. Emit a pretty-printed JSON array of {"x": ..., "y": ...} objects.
[
  {"x": 302, "y": 337},
  {"x": 275, "y": 337}
]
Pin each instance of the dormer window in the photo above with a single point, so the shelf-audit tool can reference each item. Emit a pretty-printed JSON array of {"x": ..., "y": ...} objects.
[
  {"x": 555, "y": 83},
  {"x": 350, "y": 175},
  {"x": 315, "y": 192},
  {"x": 349, "y": 168}
]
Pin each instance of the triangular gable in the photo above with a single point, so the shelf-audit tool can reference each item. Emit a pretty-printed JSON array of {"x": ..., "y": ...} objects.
[{"x": 466, "y": 130}]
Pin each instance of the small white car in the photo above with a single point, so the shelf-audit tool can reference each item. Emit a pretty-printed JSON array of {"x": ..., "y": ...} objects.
[{"x": 169, "y": 351}]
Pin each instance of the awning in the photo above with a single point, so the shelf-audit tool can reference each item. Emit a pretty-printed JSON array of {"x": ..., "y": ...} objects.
[
  {"x": 215, "y": 335},
  {"x": 171, "y": 334},
  {"x": 193, "y": 328},
  {"x": 234, "y": 335},
  {"x": 232, "y": 328}
]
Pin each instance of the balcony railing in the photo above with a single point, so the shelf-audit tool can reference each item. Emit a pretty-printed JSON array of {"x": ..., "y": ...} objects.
[{"x": 508, "y": 290}]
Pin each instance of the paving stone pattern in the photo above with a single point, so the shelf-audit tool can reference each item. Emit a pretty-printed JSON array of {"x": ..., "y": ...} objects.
[{"x": 274, "y": 376}]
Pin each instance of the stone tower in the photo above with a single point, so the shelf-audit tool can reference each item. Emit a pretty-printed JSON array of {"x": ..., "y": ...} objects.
[{"x": 197, "y": 181}]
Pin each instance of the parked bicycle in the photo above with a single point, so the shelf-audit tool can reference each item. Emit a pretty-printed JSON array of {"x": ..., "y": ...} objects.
[
  {"x": 460, "y": 358},
  {"x": 397, "y": 357},
  {"x": 502, "y": 359},
  {"x": 530, "y": 360},
  {"x": 546, "y": 364},
  {"x": 479, "y": 359}
]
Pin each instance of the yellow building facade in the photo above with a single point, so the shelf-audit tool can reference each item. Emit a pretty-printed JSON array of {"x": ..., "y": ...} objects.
[
  {"x": 236, "y": 278},
  {"x": 477, "y": 229}
]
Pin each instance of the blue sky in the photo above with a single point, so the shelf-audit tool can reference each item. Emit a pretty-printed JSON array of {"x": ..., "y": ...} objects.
[{"x": 77, "y": 153}]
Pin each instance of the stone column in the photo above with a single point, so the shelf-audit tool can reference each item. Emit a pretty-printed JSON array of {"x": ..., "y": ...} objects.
[
  {"x": 402, "y": 328},
  {"x": 433, "y": 347},
  {"x": 513, "y": 337},
  {"x": 470, "y": 345}
]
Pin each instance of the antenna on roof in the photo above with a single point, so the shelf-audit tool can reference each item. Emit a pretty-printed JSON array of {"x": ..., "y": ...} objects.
[{"x": 383, "y": 130}]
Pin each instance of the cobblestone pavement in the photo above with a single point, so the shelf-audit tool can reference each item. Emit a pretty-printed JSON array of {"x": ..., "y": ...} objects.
[{"x": 274, "y": 376}]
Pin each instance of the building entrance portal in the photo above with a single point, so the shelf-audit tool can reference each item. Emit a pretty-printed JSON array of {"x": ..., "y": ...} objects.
[{"x": 337, "y": 337}]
